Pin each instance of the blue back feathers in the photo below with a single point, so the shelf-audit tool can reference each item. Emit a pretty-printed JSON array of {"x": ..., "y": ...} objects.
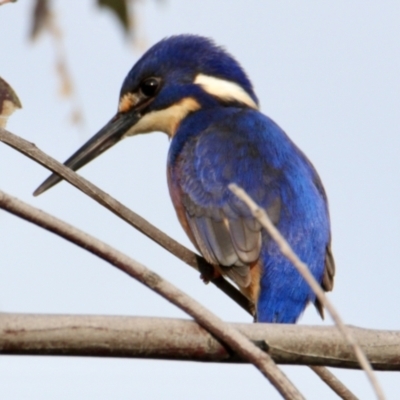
[{"x": 213, "y": 148}]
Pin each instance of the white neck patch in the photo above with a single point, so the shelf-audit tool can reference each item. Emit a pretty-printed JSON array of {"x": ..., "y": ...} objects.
[
  {"x": 225, "y": 90},
  {"x": 166, "y": 120}
]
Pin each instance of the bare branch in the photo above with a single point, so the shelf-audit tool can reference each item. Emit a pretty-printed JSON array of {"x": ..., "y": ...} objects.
[
  {"x": 334, "y": 383},
  {"x": 171, "y": 245},
  {"x": 302, "y": 268},
  {"x": 127, "y": 215},
  {"x": 223, "y": 331},
  {"x": 179, "y": 339}
]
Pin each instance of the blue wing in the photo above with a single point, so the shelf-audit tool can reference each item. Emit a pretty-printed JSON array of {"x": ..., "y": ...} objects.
[
  {"x": 247, "y": 148},
  {"x": 221, "y": 226}
]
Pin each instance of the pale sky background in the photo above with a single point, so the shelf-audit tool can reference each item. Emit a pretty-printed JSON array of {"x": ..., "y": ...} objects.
[{"x": 327, "y": 72}]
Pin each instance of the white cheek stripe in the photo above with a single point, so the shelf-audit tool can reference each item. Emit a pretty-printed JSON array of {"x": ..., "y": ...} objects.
[
  {"x": 166, "y": 120},
  {"x": 225, "y": 90}
]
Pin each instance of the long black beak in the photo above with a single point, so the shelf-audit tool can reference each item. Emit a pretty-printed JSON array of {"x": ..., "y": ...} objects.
[{"x": 109, "y": 135}]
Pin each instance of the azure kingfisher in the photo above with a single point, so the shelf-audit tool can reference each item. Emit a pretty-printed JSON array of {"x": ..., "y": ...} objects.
[{"x": 199, "y": 95}]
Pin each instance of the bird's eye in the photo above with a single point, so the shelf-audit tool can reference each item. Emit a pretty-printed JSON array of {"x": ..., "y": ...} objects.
[{"x": 149, "y": 86}]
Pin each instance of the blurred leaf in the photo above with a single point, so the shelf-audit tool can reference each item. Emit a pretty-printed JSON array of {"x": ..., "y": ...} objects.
[
  {"x": 2, "y": 2},
  {"x": 66, "y": 86},
  {"x": 40, "y": 17},
  {"x": 76, "y": 117},
  {"x": 120, "y": 9},
  {"x": 9, "y": 102}
]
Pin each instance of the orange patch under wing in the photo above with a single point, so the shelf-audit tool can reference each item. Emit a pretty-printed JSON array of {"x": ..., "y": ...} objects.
[{"x": 252, "y": 291}]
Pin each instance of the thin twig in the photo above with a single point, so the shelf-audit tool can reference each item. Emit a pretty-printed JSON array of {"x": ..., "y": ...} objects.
[
  {"x": 226, "y": 333},
  {"x": 302, "y": 268},
  {"x": 184, "y": 254},
  {"x": 334, "y": 383},
  {"x": 135, "y": 220}
]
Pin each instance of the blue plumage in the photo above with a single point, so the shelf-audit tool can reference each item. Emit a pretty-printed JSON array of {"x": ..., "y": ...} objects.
[
  {"x": 246, "y": 147},
  {"x": 200, "y": 96}
]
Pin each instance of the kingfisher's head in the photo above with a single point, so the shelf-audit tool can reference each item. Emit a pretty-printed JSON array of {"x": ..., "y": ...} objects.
[{"x": 177, "y": 76}]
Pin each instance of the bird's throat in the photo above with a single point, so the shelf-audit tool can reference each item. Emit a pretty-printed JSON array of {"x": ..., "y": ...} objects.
[{"x": 166, "y": 120}]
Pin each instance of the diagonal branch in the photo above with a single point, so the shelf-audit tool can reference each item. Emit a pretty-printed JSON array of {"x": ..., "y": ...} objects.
[
  {"x": 333, "y": 382},
  {"x": 135, "y": 220},
  {"x": 302, "y": 268},
  {"x": 223, "y": 331},
  {"x": 190, "y": 258}
]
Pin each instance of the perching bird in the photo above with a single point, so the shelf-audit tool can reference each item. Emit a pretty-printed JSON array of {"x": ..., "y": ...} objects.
[{"x": 198, "y": 94}]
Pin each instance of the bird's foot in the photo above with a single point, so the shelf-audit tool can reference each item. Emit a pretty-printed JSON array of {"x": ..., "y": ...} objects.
[{"x": 207, "y": 271}]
